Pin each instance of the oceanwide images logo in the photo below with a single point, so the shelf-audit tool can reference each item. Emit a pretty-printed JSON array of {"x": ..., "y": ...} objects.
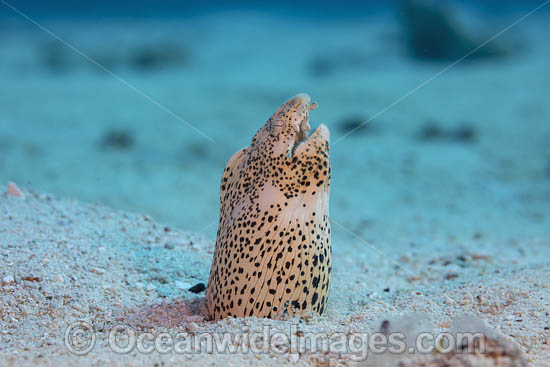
[{"x": 80, "y": 338}]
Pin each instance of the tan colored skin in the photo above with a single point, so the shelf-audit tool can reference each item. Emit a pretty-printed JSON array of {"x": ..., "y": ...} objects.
[{"x": 273, "y": 253}]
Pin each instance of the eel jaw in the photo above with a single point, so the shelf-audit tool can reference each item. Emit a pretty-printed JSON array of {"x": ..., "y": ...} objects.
[
  {"x": 303, "y": 128},
  {"x": 319, "y": 138}
]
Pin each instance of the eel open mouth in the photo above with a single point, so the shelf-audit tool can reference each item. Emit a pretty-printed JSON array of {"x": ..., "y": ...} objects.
[{"x": 304, "y": 128}]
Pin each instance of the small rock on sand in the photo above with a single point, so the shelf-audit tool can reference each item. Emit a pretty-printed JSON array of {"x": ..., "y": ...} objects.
[
  {"x": 13, "y": 190},
  {"x": 8, "y": 279}
]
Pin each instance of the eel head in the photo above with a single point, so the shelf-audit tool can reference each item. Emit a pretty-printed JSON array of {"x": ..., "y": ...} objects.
[
  {"x": 297, "y": 161},
  {"x": 286, "y": 132}
]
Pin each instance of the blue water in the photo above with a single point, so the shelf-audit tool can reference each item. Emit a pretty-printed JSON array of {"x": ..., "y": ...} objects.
[
  {"x": 174, "y": 8},
  {"x": 92, "y": 96}
]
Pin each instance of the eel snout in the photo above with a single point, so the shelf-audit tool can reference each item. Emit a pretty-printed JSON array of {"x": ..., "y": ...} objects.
[{"x": 303, "y": 127}]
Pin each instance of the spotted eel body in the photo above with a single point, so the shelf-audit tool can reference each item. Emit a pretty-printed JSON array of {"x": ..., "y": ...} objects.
[{"x": 273, "y": 252}]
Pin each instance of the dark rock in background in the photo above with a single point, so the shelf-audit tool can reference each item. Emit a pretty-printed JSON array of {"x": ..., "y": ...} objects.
[
  {"x": 433, "y": 33},
  {"x": 138, "y": 56},
  {"x": 321, "y": 67},
  {"x": 328, "y": 64},
  {"x": 356, "y": 124},
  {"x": 464, "y": 133},
  {"x": 117, "y": 139},
  {"x": 431, "y": 131},
  {"x": 54, "y": 57},
  {"x": 157, "y": 56}
]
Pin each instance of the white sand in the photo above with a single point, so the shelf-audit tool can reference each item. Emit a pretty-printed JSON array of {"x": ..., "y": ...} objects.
[{"x": 88, "y": 262}]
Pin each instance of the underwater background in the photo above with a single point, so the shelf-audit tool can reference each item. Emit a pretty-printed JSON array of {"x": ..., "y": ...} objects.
[
  {"x": 139, "y": 105},
  {"x": 439, "y": 113}
]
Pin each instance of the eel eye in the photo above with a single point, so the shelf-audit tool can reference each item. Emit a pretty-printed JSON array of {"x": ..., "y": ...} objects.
[{"x": 277, "y": 127}]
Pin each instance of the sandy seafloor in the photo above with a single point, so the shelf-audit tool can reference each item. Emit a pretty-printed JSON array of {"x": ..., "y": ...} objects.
[{"x": 438, "y": 227}]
